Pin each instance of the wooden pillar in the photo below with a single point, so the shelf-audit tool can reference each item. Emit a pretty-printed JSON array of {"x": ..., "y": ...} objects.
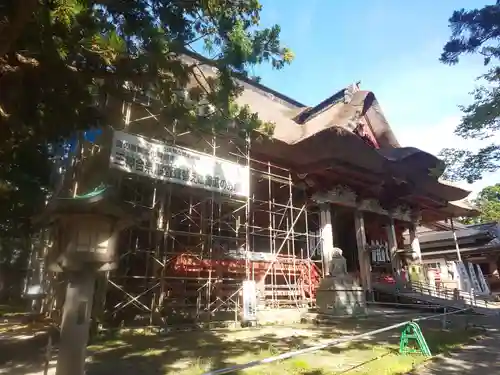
[
  {"x": 335, "y": 235},
  {"x": 363, "y": 256},
  {"x": 326, "y": 232},
  {"x": 415, "y": 244},
  {"x": 393, "y": 246}
]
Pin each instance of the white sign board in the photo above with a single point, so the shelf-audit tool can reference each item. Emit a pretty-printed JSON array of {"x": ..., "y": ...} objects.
[
  {"x": 146, "y": 157},
  {"x": 374, "y": 255},
  {"x": 379, "y": 252},
  {"x": 464, "y": 281},
  {"x": 249, "y": 300}
]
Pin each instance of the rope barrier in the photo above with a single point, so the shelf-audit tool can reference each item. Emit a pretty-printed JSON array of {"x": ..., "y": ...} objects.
[{"x": 325, "y": 345}]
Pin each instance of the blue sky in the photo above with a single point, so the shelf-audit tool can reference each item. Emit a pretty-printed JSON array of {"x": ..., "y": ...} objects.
[{"x": 392, "y": 47}]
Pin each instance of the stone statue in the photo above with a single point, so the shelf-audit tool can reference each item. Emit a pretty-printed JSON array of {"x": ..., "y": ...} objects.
[
  {"x": 338, "y": 265},
  {"x": 339, "y": 293}
]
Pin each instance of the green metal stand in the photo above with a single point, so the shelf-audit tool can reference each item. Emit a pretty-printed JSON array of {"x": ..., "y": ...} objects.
[{"x": 412, "y": 331}]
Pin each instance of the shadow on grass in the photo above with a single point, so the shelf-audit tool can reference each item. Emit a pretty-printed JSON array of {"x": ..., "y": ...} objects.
[
  {"x": 480, "y": 356},
  {"x": 197, "y": 352},
  {"x": 23, "y": 340},
  {"x": 193, "y": 353}
]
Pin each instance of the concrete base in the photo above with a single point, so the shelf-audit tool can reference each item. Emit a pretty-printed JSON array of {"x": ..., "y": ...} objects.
[{"x": 340, "y": 296}]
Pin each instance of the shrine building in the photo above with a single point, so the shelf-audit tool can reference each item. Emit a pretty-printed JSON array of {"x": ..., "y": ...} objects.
[{"x": 216, "y": 211}]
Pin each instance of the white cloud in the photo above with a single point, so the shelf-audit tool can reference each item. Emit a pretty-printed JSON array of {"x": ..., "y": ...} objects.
[{"x": 432, "y": 138}]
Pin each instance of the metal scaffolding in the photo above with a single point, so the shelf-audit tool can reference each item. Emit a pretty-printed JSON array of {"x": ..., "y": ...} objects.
[{"x": 186, "y": 263}]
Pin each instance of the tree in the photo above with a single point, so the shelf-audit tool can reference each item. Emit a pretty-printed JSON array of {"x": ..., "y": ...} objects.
[
  {"x": 69, "y": 51},
  {"x": 476, "y": 31},
  {"x": 60, "y": 59},
  {"x": 488, "y": 202}
]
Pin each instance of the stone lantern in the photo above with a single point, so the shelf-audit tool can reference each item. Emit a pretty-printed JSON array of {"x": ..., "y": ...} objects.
[{"x": 85, "y": 230}]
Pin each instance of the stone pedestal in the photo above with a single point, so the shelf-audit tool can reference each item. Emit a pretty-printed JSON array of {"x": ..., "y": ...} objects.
[{"x": 340, "y": 294}]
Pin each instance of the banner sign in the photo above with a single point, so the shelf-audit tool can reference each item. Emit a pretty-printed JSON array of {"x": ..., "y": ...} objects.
[
  {"x": 249, "y": 300},
  {"x": 473, "y": 277},
  {"x": 379, "y": 252},
  {"x": 482, "y": 281},
  {"x": 146, "y": 157},
  {"x": 464, "y": 280}
]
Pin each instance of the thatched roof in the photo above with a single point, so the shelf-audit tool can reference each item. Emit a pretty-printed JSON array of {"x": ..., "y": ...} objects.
[{"x": 326, "y": 135}]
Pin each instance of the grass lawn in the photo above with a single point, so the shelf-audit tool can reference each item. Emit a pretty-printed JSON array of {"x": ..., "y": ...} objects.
[
  {"x": 193, "y": 353},
  {"x": 15, "y": 320}
]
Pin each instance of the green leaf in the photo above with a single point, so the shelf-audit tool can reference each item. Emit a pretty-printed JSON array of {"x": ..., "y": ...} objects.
[
  {"x": 76, "y": 59},
  {"x": 476, "y": 31}
]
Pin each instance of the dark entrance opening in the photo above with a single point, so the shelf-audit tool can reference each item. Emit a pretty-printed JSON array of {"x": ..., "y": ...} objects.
[{"x": 345, "y": 236}]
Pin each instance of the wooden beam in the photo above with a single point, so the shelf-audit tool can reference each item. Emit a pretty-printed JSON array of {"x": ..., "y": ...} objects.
[
  {"x": 326, "y": 231},
  {"x": 363, "y": 258}
]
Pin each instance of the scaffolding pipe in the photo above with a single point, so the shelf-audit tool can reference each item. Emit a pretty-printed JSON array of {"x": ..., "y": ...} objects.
[{"x": 189, "y": 220}]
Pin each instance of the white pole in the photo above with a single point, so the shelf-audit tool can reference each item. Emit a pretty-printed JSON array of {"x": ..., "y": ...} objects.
[{"x": 455, "y": 240}]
